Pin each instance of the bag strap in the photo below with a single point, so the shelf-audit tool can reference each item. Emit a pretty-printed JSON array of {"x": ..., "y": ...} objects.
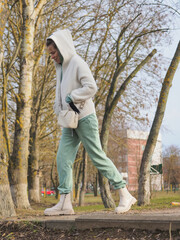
[{"x": 74, "y": 108}]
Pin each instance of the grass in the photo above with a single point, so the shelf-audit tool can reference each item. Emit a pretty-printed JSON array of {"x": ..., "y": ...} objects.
[
  {"x": 163, "y": 199},
  {"x": 159, "y": 200}
]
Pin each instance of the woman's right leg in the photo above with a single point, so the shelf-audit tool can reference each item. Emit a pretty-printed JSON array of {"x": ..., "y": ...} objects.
[{"x": 66, "y": 155}]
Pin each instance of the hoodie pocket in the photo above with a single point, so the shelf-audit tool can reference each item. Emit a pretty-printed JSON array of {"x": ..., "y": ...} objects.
[{"x": 80, "y": 105}]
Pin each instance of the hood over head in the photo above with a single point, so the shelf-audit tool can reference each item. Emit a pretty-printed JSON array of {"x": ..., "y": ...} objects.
[{"x": 64, "y": 42}]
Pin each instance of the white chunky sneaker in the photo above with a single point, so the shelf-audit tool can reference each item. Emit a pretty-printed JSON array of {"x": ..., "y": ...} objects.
[
  {"x": 126, "y": 201},
  {"x": 63, "y": 207}
]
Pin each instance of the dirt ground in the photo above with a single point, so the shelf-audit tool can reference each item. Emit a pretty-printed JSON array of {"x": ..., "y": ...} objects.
[{"x": 34, "y": 231}]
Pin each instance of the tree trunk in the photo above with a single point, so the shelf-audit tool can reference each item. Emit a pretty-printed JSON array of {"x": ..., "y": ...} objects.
[
  {"x": 33, "y": 165},
  {"x": 84, "y": 179},
  {"x": 144, "y": 188},
  {"x": 54, "y": 178},
  {"x": 103, "y": 182},
  {"x": 6, "y": 202},
  {"x": 95, "y": 186},
  {"x": 4, "y": 114},
  {"x": 19, "y": 158},
  {"x": 78, "y": 174},
  {"x": 77, "y": 170}
]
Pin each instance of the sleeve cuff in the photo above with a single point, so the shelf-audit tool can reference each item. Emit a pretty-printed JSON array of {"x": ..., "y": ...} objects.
[{"x": 68, "y": 98}]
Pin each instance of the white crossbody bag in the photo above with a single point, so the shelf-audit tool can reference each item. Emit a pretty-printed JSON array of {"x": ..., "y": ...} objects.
[{"x": 68, "y": 119}]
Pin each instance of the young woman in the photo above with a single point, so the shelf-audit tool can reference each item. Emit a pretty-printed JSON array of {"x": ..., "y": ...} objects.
[{"x": 76, "y": 84}]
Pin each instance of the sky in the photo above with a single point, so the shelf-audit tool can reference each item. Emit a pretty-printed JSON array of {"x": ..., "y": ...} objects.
[{"x": 170, "y": 129}]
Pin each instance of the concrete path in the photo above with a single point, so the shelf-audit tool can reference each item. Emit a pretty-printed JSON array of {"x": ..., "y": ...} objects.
[
  {"x": 164, "y": 220},
  {"x": 147, "y": 221}
]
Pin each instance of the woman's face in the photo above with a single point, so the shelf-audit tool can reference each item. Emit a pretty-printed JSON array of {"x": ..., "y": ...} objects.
[{"x": 54, "y": 53}]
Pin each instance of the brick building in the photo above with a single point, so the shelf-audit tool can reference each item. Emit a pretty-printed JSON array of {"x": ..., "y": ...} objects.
[{"x": 130, "y": 157}]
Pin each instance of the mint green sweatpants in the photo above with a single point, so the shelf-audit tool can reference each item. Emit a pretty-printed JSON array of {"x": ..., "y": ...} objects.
[{"x": 87, "y": 133}]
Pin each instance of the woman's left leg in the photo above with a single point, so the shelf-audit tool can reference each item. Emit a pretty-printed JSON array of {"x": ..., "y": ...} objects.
[{"x": 89, "y": 135}]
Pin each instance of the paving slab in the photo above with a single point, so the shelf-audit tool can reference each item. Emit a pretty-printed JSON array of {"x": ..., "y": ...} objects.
[
  {"x": 162, "y": 220},
  {"x": 138, "y": 221}
]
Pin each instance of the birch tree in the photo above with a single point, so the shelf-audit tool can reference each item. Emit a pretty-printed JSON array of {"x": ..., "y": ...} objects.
[
  {"x": 19, "y": 158},
  {"x": 6, "y": 203},
  {"x": 144, "y": 178}
]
